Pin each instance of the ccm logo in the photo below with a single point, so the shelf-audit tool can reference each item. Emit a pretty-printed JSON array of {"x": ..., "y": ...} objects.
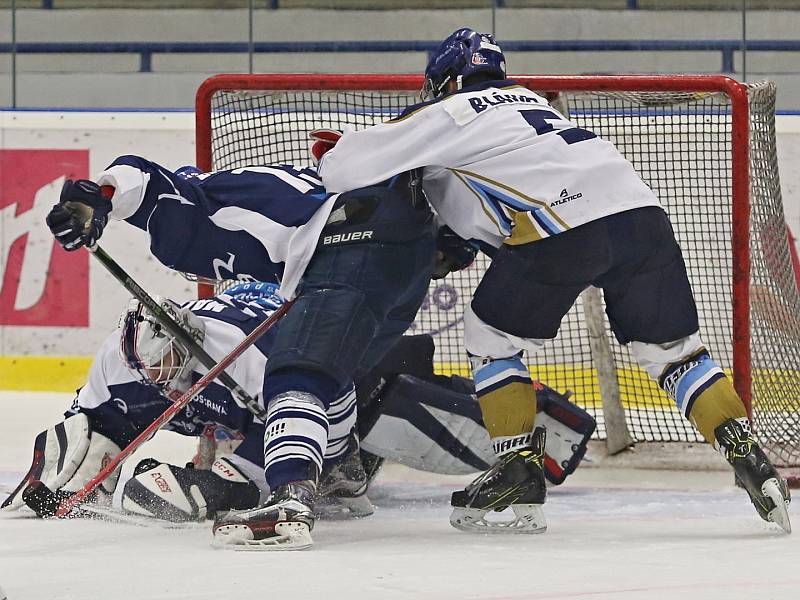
[
  {"x": 161, "y": 482},
  {"x": 347, "y": 237},
  {"x": 223, "y": 470}
]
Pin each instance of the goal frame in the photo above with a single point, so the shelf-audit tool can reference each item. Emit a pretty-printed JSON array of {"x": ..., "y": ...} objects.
[{"x": 740, "y": 158}]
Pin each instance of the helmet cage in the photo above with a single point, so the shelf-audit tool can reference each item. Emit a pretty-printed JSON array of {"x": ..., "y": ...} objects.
[{"x": 148, "y": 349}]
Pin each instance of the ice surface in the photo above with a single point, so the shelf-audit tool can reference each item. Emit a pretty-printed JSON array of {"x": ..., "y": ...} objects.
[{"x": 613, "y": 534}]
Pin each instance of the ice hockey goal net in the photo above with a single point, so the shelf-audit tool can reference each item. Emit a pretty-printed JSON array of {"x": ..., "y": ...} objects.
[{"x": 705, "y": 144}]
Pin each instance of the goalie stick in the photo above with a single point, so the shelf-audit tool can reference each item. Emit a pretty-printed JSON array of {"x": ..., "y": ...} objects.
[
  {"x": 179, "y": 332},
  {"x": 45, "y": 501}
]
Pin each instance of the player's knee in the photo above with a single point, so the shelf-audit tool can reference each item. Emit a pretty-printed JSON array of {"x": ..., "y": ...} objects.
[
  {"x": 696, "y": 383},
  {"x": 315, "y": 382},
  {"x": 656, "y": 359},
  {"x": 325, "y": 333},
  {"x": 481, "y": 339}
]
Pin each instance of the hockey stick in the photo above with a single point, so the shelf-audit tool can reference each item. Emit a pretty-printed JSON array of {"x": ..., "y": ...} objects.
[
  {"x": 163, "y": 317},
  {"x": 66, "y": 505}
]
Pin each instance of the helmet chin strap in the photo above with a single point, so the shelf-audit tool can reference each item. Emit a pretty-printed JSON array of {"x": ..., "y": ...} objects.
[{"x": 459, "y": 82}]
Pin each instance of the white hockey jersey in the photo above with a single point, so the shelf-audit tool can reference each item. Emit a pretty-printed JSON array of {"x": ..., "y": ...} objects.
[
  {"x": 113, "y": 390},
  {"x": 500, "y": 164}
]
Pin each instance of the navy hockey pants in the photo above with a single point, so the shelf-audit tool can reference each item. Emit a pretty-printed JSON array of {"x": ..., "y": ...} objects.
[
  {"x": 359, "y": 294},
  {"x": 632, "y": 256}
]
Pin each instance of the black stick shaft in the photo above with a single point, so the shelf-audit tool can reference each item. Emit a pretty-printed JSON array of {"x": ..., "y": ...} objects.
[{"x": 175, "y": 329}]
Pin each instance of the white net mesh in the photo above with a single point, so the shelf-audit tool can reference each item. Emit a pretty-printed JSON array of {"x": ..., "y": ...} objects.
[{"x": 681, "y": 144}]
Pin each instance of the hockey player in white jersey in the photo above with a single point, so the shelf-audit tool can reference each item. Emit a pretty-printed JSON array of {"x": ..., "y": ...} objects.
[{"x": 562, "y": 209}]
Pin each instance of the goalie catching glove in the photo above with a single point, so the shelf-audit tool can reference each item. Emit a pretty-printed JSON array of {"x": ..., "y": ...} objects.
[{"x": 65, "y": 458}]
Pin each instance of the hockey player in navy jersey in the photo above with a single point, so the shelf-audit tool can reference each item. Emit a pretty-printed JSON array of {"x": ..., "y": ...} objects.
[
  {"x": 357, "y": 265},
  {"x": 562, "y": 210}
]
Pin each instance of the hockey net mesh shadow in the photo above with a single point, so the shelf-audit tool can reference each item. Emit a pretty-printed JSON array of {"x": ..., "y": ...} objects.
[{"x": 680, "y": 144}]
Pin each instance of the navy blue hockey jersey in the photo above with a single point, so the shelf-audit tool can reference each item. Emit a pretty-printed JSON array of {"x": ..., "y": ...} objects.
[{"x": 255, "y": 223}]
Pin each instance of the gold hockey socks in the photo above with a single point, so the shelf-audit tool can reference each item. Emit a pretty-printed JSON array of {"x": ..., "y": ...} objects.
[
  {"x": 703, "y": 393},
  {"x": 507, "y": 399},
  {"x": 715, "y": 405}
]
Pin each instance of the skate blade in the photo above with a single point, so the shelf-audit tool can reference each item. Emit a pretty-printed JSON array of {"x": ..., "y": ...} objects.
[
  {"x": 780, "y": 514},
  {"x": 290, "y": 535},
  {"x": 528, "y": 518}
]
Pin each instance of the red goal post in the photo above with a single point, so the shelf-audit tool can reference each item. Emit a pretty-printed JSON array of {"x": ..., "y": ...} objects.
[{"x": 705, "y": 144}]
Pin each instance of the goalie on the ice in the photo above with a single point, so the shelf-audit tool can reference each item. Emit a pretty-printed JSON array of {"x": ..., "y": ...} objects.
[{"x": 408, "y": 414}]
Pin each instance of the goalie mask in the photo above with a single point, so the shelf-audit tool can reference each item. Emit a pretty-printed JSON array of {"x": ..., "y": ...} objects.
[
  {"x": 149, "y": 349},
  {"x": 464, "y": 53}
]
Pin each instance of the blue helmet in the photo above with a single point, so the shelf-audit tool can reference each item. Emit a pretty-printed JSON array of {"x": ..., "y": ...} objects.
[{"x": 464, "y": 53}]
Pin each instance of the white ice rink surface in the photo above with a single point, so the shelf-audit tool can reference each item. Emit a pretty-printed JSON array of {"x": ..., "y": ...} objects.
[{"x": 613, "y": 534}]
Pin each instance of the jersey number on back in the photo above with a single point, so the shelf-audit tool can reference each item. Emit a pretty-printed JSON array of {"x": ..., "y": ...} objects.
[{"x": 545, "y": 121}]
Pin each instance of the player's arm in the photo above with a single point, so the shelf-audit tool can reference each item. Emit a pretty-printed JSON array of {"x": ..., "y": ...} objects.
[
  {"x": 426, "y": 136},
  {"x": 173, "y": 210},
  {"x": 132, "y": 189}
]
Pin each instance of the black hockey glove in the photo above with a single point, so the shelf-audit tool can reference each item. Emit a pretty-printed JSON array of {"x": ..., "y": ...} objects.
[
  {"x": 80, "y": 215},
  {"x": 453, "y": 253}
]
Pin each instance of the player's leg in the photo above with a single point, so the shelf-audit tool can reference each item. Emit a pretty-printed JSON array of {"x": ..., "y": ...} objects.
[
  {"x": 342, "y": 490},
  {"x": 519, "y": 303},
  {"x": 350, "y": 287},
  {"x": 650, "y": 304}
]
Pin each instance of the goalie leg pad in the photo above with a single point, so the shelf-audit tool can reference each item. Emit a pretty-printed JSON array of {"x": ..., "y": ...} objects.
[
  {"x": 172, "y": 493},
  {"x": 439, "y": 429},
  {"x": 569, "y": 428},
  {"x": 65, "y": 458},
  {"x": 101, "y": 450},
  {"x": 426, "y": 426}
]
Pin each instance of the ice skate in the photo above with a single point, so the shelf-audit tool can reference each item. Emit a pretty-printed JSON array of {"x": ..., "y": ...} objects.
[
  {"x": 284, "y": 522},
  {"x": 515, "y": 482},
  {"x": 343, "y": 488},
  {"x": 767, "y": 489}
]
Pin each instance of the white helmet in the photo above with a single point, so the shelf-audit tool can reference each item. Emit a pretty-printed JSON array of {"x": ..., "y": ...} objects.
[{"x": 148, "y": 348}]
